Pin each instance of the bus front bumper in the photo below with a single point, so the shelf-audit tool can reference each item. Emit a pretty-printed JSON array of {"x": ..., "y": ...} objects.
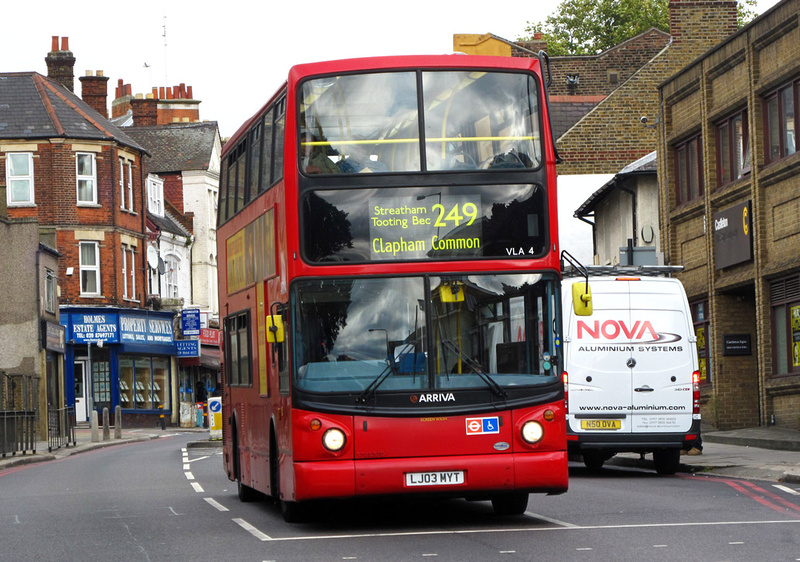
[{"x": 457, "y": 476}]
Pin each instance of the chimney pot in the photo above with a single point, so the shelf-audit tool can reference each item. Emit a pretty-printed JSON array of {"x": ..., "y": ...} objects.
[
  {"x": 54, "y": 44},
  {"x": 189, "y": 93},
  {"x": 65, "y": 43},
  {"x": 89, "y": 73},
  {"x": 99, "y": 72}
]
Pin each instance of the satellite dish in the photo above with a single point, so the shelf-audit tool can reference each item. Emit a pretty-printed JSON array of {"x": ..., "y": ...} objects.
[
  {"x": 152, "y": 257},
  {"x": 161, "y": 267}
]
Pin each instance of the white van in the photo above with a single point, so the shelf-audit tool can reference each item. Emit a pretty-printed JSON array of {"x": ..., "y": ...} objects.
[{"x": 630, "y": 369}]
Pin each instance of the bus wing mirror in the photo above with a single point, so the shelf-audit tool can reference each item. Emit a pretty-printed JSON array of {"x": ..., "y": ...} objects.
[
  {"x": 582, "y": 299},
  {"x": 275, "y": 330}
]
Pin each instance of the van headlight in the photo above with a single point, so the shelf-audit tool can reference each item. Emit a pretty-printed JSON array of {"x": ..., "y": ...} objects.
[
  {"x": 532, "y": 432},
  {"x": 333, "y": 439}
]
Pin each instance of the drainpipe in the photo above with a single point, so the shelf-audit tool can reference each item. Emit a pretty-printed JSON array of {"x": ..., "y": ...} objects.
[
  {"x": 633, "y": 213},
  {"x": 594, "y": 232}
]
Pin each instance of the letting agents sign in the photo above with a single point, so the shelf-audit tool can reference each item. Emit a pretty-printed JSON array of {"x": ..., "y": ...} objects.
[{"x": 733, "y": 235}]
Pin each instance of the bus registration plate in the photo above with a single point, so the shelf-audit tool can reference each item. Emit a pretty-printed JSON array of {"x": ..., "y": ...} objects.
[
  {"x": 444, "y": 478},
  {"x": 601, "y": 424}
]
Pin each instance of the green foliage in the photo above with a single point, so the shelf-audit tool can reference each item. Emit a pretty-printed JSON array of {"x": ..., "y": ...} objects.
[{"x": 589, "y": 27}]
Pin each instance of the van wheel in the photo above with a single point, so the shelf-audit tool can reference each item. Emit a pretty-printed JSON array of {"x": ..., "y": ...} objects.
[
  {"x": 510, "y": 504},
  {"x": 667, "y": 461},
  {"x": 594, "y": 460}
]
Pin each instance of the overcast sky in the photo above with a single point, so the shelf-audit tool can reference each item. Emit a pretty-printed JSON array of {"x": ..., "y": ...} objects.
[{"x": 236, "y": 53}]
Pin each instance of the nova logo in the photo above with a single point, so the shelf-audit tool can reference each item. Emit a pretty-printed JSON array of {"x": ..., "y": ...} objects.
[
  {"x": 434, "y": 397},
  {"x": 613, "y": 329}
]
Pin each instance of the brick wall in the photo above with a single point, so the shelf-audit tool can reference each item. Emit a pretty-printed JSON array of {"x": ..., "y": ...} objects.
[
  {"x": 612, "y": 136},
  {"x": 734, "y": 76}
]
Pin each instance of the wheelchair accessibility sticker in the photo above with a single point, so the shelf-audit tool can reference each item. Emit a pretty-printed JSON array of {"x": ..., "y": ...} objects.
[{"x": 483, "y": 426}]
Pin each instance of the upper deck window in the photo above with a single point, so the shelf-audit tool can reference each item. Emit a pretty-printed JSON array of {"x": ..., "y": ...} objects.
[{"x": 371, "y": 122}]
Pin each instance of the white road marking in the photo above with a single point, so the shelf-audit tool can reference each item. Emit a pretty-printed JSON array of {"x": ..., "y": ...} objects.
[
  {"x": 737, "y": 542},
  {"x": 189, "y": 475},
  {"x": 197, "y": 459},
  {"x": 787, "y": 489},
  {"x": 186, "y": 467},
  {"x": 252, "y": 530},
  {"x": 549, "y": 520},
  {"x": 197, "y": 488},
  {"x": 216, "y": 504},
  {"x": 532, "y": 530}
]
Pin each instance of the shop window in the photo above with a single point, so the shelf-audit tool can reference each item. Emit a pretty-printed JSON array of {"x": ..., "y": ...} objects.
[
  {"x": 688, "y": 171},
  {"x": 700, "y": 320},
  {"x": 785, "y": 302},
  {"x": 733, "y": 148},
  {"x": 19, "y": 178},
  {"x": 143, "y": 382},
  {"x": 87, "y": 178},
  {"x": 780, "y": 125},
  {"x": 127, "y": 387}
]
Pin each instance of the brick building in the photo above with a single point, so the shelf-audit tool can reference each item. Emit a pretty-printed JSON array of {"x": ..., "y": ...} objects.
[
  {"x": 579, "y": 82},
  {"x": 730, "y": 213},
  {"x": 80, "y": 179}
]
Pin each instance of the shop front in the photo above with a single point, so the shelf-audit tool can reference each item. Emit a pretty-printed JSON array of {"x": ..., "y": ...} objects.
[
  {"x": 199, "y": 376},
  {"x": 121, "y": 357}
]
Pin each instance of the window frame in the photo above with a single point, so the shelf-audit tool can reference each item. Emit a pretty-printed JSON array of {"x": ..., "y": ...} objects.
[
  {"x": 128, "y": 272},
  {"x": 126, "y": 185},
  {"x": 172, "y": 264},
  {"x": 89, "y": 268},
  {"x": 685, "y": 148},
  {"x": 776, "y": 96},
  {"x": 701, "y": 321},
  {"x": 784, "y": 300},
  {"x": 50, "y": 298},
  {"x": 733, "y": 149},
  {"x": 238, "y": 326},
  {"x": 91, "y": 178},
  {"x": 29, "y": 177},
  {"x": 155, "y": 195}
]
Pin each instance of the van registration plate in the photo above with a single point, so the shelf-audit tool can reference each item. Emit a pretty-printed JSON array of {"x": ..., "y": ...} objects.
[
  {"x": 601, "y": 424},
  {"x": 442, "y": 478}
]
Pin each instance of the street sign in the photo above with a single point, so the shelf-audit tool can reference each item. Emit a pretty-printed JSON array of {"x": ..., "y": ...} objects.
[{"x": 190, "y": 321}]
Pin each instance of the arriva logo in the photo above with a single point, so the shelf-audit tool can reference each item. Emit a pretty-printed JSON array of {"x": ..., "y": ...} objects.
[
  {"x": 613, "y": 329},
  {"x": 434, "y": 397}
]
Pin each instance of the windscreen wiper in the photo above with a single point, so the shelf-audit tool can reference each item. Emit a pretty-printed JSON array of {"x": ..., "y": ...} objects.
[
  {"x": 475, "y": 367},
  {"x": 391, "y": 368}
]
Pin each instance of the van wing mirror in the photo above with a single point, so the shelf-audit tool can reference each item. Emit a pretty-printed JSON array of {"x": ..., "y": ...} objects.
[
  {"x": 275, "y": 329},
  {"x": 582, "y": 299}
]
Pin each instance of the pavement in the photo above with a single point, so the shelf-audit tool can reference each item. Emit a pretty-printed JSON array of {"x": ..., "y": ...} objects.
[{"x": 761, "y": 453}]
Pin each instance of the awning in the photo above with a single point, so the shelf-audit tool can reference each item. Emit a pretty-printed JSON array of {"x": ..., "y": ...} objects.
[{"x": 209, "y": 358}]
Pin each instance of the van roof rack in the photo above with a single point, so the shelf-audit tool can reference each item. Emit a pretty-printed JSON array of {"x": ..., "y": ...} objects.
[{"x": 611, "y": 270}]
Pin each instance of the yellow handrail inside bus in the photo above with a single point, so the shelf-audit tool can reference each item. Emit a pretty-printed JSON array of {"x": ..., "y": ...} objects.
[{"x": 429, "y": 139}]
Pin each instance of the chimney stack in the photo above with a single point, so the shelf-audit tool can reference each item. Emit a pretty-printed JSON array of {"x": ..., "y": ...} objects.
[
  {"x": 145, "y": 111},
  {"x": 60, "y": 63},
  {"x": 94, "y": 91}
]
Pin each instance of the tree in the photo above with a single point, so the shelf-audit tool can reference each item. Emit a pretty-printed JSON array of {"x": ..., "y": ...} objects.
[{"x": 589, "y": 27}]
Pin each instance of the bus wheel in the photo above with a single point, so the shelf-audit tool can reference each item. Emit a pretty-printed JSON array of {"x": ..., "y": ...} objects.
[
  {"x": 292, "y": 511},
  {"x": 667, "y": 461},
  {"x": 510, "y": 504},
  {"x": 594, "y": 460}
]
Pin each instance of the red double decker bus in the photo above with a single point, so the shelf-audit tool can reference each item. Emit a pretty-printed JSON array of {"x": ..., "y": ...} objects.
[{"x": 389, "y": 281}]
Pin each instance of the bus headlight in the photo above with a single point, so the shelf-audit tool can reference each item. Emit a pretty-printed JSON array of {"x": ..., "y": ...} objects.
[
  {"x": 532, "y": 431},
  {"x": 333, "y": 439}
]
